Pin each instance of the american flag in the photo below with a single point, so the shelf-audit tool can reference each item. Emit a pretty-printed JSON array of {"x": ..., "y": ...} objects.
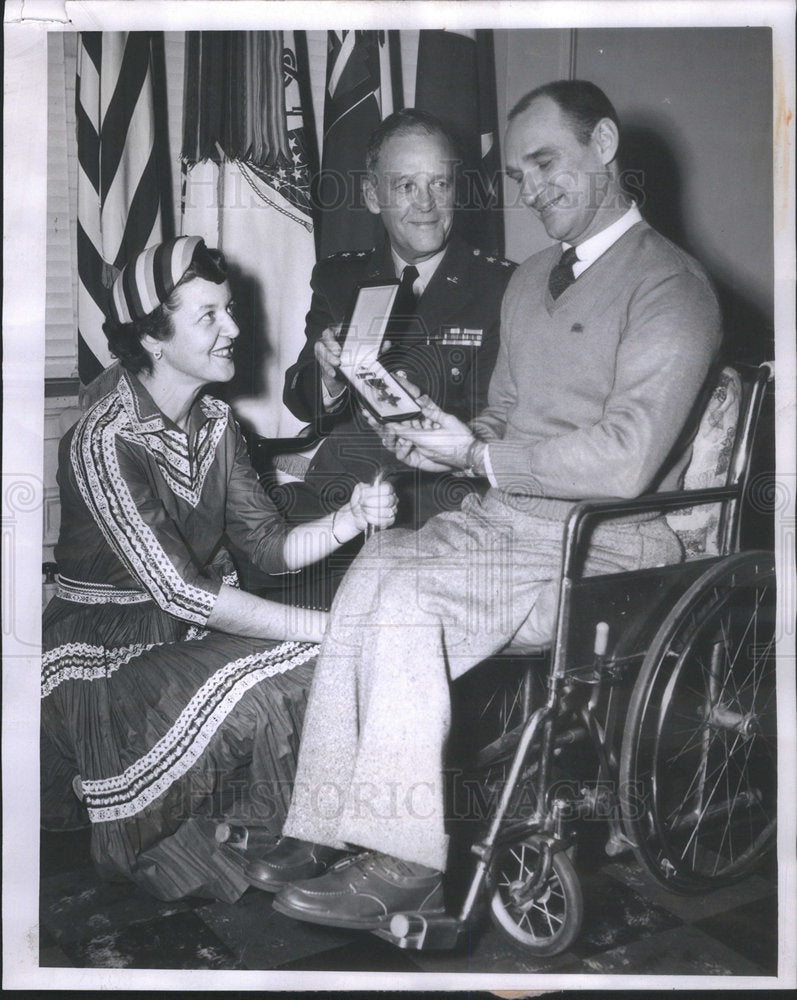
[{"x": 119, "y": 175}]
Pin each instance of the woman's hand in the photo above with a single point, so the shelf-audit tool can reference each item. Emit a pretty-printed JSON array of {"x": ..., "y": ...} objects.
[
  {"x": 369, "y": 505},
  {"x": 374, "y": 504}
]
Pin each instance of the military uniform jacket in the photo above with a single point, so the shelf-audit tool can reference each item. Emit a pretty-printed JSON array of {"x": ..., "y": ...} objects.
[{"x": 448, "y": 349}]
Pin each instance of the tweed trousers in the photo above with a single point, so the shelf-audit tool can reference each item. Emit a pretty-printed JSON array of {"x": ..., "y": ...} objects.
[{"x": 415, "y": 611}]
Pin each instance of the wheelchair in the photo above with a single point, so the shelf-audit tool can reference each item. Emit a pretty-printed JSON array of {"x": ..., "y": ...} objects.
[{"x": 659, "y": 683}]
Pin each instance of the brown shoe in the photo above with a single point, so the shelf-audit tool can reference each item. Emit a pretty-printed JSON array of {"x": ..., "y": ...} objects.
[
  {"x": 288, "y": 861},
  {"x": 363, "y": 892}
]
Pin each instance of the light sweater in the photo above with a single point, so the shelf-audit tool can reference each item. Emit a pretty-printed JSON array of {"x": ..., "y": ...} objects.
[{"x": 591, "y": 391}]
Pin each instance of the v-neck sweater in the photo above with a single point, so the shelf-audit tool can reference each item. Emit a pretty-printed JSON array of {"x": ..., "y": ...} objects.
[{"x": 591, "y": 390}]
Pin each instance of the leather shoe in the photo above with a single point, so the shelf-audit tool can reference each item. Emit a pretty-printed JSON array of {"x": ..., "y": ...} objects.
[
  {"x": 289, "y": 860},
  {"x": 363, "y": 892}
]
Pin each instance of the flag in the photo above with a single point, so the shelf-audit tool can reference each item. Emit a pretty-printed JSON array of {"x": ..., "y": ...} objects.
[
  {"x": 359, "y": 93},
  {"x": 456, "y": 82},
  {"x": 119, "y": 175},
  {"x": 247, "y": 192}
]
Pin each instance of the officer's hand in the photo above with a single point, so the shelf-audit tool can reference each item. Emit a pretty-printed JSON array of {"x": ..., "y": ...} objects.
[{"x": 327, "y": 353}]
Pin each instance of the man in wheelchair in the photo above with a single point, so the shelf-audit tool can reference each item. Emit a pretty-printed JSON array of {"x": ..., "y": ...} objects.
[{"x": 607, "y": 338}]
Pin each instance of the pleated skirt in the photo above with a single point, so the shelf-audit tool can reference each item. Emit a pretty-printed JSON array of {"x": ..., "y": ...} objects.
[{"x": 153, "y": 731}]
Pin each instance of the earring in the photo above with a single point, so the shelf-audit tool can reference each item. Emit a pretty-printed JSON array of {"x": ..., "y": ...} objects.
[{"x": 157, "y": 355}]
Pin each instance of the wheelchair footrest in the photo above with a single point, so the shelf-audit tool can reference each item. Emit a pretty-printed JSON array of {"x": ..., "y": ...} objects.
[{"x": 415, "y": 931}]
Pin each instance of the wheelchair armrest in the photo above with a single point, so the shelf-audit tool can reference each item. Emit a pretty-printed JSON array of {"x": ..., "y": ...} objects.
[
  {"x": 262, "y": 450},
  {"x": 587, "y": 512}
]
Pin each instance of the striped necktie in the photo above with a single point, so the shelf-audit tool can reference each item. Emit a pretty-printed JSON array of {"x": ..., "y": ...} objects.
[{"x": 561, "y": 276}]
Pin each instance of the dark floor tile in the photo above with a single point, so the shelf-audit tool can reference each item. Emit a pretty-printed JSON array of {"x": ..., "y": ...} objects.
[
  {"x": 179, "y": 941},
  {"x": 753, "y": 929},
  {"x": 615, "y": 914},
  {"x": 78, "y": 905},
  {"x": 487, "y": 950},
  {"x": 64, "y": 852},
  {"x": 265, "y": 939},
  {"x": 683, "y": 951},
  {"x": 365, "y": 954},
  {"x": 690, "y": 908},
  {"x": 630, "y": 926}
]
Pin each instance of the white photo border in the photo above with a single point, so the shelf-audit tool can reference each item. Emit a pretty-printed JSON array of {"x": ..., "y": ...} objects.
[{"x": 27, "y": 25}]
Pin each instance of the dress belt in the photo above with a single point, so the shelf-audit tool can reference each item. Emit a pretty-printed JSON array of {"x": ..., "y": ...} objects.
[{"x": 87, "y": 592}]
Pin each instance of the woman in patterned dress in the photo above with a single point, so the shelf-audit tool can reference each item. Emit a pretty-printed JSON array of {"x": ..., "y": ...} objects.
[{"x": 167, "y": 691}]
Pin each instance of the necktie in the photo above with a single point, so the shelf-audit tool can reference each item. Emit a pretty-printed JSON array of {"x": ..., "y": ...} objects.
[
  {"x": 562, "y": 276},
  {"x": 404, "y": 304},
  {"x": 405, "y": 297}
]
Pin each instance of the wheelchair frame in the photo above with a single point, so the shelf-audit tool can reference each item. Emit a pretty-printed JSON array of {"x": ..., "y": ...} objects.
[{"x": 659, "y": 626}]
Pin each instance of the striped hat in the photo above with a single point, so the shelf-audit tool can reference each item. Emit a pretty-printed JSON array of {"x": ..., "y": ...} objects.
[{"x": 149, "y": 278}]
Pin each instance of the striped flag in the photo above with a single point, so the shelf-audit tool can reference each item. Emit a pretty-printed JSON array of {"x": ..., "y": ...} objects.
[
  {"x": 119, "y": 175},
  {"x": 456, "y": 82},
  {"x": 359, "y": 93}
]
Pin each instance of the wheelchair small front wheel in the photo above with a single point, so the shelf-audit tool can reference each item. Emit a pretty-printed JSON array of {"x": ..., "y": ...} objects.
[{"x": 542, "y": 920}]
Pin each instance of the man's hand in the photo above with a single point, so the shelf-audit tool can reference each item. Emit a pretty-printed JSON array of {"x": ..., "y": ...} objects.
[
  {"x": 436, "y": 442},
  {"x": 327, "y": 353}
]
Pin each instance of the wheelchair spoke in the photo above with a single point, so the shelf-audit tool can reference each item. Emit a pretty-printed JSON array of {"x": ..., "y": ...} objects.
[
  {"x": 544, "y": 919},
  {"x": 722, "y": 772},
  {"x": 700, "y": 734}
]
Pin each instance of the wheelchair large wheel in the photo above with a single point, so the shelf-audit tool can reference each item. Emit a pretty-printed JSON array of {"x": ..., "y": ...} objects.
[
  {"x": 698, "y": 762},
  {"x": 543, "y": 922}
]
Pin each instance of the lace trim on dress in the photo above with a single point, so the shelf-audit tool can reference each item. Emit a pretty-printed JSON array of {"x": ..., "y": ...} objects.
[
  {"x": 126, "y": 794},
  {"x": 169, "y": 446},
  {"x": 86, "y": 592},
  {"x": 106, "y": 494},
  {"x": 82, "y": 661}
]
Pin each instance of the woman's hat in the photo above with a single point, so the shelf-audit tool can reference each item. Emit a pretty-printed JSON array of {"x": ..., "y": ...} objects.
[{"x": 148, "y": 279}]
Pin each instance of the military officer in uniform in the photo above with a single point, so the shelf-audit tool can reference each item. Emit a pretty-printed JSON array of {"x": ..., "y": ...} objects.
[{"x": 443, "y": 336}]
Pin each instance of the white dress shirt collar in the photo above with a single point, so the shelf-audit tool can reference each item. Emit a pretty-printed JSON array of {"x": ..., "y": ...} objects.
[
  {"x": 426, "y": 268},
  {"x": 589, "y": 251}
]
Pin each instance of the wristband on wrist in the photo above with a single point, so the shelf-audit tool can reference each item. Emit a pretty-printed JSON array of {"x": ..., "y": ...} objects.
[
  {"x": 332, "y": 529},
  {"x": 470, "y": 458}
]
